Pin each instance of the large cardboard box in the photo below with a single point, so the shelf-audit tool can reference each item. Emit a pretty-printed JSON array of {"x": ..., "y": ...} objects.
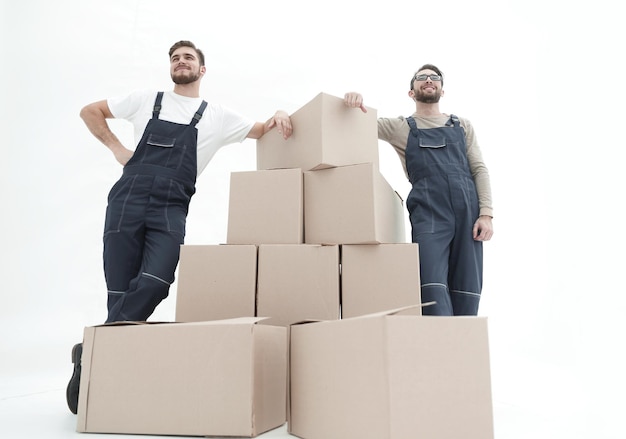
[
  {"x": 220, "y": 378},
  {"x": 391, "y": 376},
  {"x": 297, "y": 282},
  {"x": 216, "y": 282},
  {"x": 326, "y": 133},
  {"x": 351, "y": 205},
  {"x": 266, "y": 207},
  {"x": 379, "y": 277}
]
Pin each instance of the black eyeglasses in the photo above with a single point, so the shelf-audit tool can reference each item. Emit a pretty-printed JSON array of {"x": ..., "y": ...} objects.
[{"x": 432, "y": 77}]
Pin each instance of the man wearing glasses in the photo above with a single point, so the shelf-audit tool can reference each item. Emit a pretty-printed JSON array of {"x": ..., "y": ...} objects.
[{"x": 450, "y": 201}]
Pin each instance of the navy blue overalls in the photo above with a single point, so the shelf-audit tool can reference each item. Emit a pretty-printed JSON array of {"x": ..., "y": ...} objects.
[
  {"x": 146, "y": 216},
  {"x": 443, "y": 207}
]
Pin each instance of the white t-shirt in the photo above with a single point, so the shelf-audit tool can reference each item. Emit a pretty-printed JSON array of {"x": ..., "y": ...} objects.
[{"x": 218, "y": 127}]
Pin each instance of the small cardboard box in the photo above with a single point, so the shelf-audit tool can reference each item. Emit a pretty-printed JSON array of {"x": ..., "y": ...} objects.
[
  {"x": 220, "y": 378},
  {"x": 298, "y": 282},
  {"x": 379, "y": 277},
  {"x": 216, "y": 282},
  {"x": 391, "y": 376},
  {"x": 326, "y": 133},
  {"x": 351, "y": 205},
  {"x": 266, "y": 207}
]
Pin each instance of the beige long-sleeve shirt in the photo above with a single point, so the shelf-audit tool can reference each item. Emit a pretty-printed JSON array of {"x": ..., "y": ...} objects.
[{"x": 396, "y": 131}]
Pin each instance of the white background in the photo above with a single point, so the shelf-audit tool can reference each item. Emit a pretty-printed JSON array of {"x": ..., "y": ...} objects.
[{"x": 542, "y": 82}]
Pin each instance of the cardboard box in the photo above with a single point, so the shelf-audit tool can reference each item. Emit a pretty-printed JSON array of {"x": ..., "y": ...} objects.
[
  {"x": 391, "y": 376},
  {"x": 265, "y": 207},
  {"x": 220, "y": 378},
  {"x": 326, "y": 133},
  {"x": 216, "y": 282},
  {"x": 379, "y": 277},
  {"x": 351, "y": 205},
  {"x": 297, "y": 282}
]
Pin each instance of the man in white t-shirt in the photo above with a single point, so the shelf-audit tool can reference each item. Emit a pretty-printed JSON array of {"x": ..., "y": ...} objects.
[{"x": 176, "y": 133}]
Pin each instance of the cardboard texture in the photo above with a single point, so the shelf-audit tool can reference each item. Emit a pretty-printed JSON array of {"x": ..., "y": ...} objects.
[
  {"x": 379, "y": 277},
  {"x": 266, "y": 207},
  {"x": 326, "y": 133},
  {"x": 351, "y": 205},
  {"x": 216, "y": 282},
  {"x": 221, "y": 378},
  {"x": 298, "y": 282},
  {"x": 391, "y": 377}
]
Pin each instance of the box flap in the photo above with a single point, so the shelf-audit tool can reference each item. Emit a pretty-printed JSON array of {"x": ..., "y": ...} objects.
[
  {"x": 233, "y": 321},
  {"x": 395, "y": 311},
  {"x": 306, "y": 321},
  {"x": 131, "y": 323}
]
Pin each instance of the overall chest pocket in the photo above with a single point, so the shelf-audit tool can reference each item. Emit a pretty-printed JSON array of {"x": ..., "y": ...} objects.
[
  {"x": 441, "y": 151},
  {"x": 163, "y": 151},
  {"x": 432, "y": 151},
  {"x": 161, "y": 141},
  {"x": 432, "y": 143}
]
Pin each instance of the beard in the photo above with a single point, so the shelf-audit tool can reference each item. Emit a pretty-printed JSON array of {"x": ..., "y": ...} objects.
[
  {"x": 430, "y": 98},
  {"x": 185, "y": 77}
]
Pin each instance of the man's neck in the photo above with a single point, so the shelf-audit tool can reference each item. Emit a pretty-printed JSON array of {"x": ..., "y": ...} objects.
[
  {"x": 189, "y": 90},
  {"x": 427, "y": 110}
]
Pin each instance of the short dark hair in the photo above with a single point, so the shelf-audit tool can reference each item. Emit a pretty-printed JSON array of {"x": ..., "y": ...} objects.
[
  {"x": 427, "y": 67},
  {"x": 185, "y": 43}
]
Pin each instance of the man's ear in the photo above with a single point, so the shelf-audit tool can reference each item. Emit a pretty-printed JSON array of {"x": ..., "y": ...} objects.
[
  {"x": 412, "y": 94},
  {"x": 203, "y": 70}
]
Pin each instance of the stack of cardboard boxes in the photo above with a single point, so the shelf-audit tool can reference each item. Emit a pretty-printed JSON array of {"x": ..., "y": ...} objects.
[
  {"x": 316, "y": 232},
  {"x": 309, "y": 313}
]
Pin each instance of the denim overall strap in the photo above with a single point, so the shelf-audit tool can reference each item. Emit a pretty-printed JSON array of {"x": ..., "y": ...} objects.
[{"x": 157, "y": 105}]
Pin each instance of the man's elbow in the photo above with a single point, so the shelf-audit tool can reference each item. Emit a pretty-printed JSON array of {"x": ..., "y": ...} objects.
[
  {"x": 95, "y": 110},
  {"x": 83, "y": 113},
  {"x": 88, "y": 112}
]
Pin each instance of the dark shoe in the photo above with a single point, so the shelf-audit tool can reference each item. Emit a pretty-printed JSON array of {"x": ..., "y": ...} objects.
[{"x": 73, "y": 386}]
